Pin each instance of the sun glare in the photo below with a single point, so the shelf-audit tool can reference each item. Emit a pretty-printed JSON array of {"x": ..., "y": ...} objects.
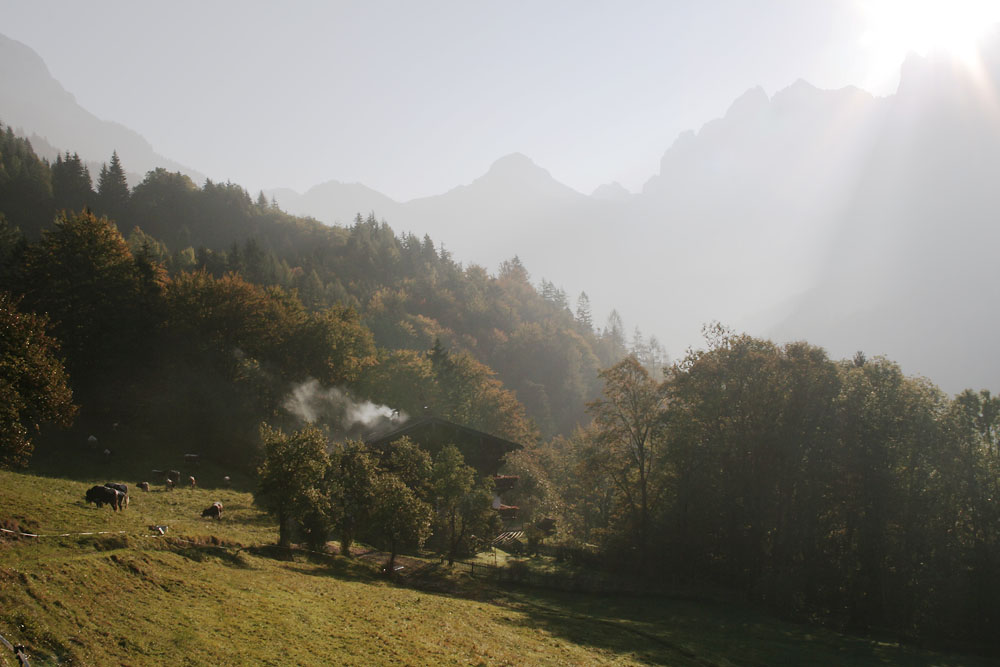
[{"x": 895, "y": 28}]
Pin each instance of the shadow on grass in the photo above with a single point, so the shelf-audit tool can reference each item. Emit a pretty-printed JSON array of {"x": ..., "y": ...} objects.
[
  {"x": 657, "y": 630},
  {"x": 257, "y": 519},
  {"x": 322, "y": 564},
  {"x": 682, "y": 629},
  {"x": 201, "y": 550},
  {"x": 200, "y": 554}
]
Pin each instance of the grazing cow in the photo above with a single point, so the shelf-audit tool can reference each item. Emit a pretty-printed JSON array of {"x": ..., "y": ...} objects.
[
  {"x": 215, "y": 511},
  {"x": 119, "y": 486},
  {"x": 170, "y": 484},
  {"x": 194, "y": 484},
  {"x": 102, "y": 495},
  {"x": 144, "y": 486}
]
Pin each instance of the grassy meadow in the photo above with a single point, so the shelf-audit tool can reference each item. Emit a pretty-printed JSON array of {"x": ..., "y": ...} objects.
[{"x": 213, "y": 592}]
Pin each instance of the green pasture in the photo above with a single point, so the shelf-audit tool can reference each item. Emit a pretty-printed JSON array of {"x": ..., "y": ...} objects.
[{"x": 212, "y": 592}]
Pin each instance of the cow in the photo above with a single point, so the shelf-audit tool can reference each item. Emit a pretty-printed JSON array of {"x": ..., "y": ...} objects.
[
  {"x": 194, "y": 484},
  {"x": 143, "y": 485},
  {"x": 227, "y": 481},
  {"x": 170, "y": 484},
  {"x": 215, "y": 511},
  {"x": 101, "y": 495},
  {"x": 123, "y": 488}
]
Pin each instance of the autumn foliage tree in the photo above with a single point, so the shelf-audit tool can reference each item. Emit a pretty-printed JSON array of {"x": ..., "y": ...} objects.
[
  {"x": 398, "y": 518},
  {"x": 34, "y": 387},
  {"x": 101, "y": 300},
  {"x": 292, "y": 481},
  {"x": 355, "y": 471},
  {"x": 462, "y": 504},
  {"x": 628, "y": 445}
]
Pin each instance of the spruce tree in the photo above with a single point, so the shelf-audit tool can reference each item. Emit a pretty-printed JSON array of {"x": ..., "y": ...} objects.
[
  {"x": 583, "y": 316},
  {"x": 71, "y": 185},
  {"x": 112, "y": 189}
]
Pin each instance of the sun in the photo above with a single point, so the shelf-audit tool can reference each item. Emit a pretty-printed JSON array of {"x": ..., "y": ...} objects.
[{"x": 895, "y": 28}]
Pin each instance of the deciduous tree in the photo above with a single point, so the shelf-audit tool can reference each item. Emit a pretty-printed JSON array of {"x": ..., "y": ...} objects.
[
  {"x": 463, "y": 506},
  {"x": 34, "y": 387},
  {"x": 292, "y": 480},
  {"x": 399, "y": 518},
  {"x": 628, "y": 444}
]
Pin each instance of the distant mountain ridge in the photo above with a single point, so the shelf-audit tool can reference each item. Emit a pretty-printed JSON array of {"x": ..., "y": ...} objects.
[
  {"x": 849, "y": 220},
  {"x": 829, "y": 215}
]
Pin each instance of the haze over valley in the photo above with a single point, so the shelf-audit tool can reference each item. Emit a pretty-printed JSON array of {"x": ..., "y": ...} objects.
[{"x": 853, "y": 220}]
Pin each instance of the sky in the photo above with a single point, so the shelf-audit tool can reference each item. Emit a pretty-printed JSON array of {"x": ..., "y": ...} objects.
[{"x": 415, "y": 98}]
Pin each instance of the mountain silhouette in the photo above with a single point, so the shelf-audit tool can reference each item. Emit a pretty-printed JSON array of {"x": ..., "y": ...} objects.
[
  {"x": 852, "y": 221},
  {"x": 911, "y": 267},
  {"x": 35, "y": 103}
]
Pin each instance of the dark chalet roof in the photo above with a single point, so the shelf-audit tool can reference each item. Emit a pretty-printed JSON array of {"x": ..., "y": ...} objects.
[{"x": 483, "y": 451}]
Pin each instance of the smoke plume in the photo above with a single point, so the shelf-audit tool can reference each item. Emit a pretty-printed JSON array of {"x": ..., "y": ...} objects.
[{"x": 334, "y": 407}]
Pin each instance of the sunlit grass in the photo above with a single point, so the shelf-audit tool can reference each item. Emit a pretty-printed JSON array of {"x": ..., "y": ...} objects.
[{"x": 136, "y": 599}]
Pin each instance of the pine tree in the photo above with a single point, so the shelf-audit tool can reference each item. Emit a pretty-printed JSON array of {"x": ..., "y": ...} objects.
[
  {"x": 583, "y": 317},
  {"x": 71, "y": 185},
  {"x": 112, "y": 189}
]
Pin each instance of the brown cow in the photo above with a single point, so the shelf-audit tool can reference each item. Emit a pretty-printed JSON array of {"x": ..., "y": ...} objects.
[{"x": 103, "y": 495}]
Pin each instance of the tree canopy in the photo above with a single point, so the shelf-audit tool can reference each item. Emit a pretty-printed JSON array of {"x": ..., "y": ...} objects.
[{"x": 34, "y": 387}]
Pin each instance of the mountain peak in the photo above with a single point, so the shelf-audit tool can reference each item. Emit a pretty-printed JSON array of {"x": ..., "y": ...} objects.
[
  {"x": 21, "y": 59},
  {"x": 32, "y": 100},
  {"x": 613, "y": 191},
  {"x": 516, "y": 175},
  {"x": 518, "y": 172},
  {"x": 515, "y": 163},
  {"x": 750, "y": 102}
]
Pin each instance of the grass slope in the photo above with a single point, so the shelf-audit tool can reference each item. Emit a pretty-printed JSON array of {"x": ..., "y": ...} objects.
[{"x": 208, "y": 593}]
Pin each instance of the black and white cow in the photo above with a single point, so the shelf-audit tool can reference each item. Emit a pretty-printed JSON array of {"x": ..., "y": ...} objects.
[
  {"x": 123, "y": 489},
  {"x": 215, "y": 511}
]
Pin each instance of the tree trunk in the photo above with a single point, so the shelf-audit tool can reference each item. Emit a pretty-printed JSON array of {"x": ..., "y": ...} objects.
[
  {"x": 284, "y": 530},
  {"x": 346, "y": 540}
]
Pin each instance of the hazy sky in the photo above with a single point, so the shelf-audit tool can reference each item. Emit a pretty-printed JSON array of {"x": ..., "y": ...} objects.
[{"x": 413, "y": 98}]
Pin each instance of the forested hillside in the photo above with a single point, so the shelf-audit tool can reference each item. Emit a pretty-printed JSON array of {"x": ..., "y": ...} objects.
[{"x": 406, "y": 292}]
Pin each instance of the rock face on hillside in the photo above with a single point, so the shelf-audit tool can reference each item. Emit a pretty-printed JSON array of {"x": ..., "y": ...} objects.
[{"x": 910, "y": 267}]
